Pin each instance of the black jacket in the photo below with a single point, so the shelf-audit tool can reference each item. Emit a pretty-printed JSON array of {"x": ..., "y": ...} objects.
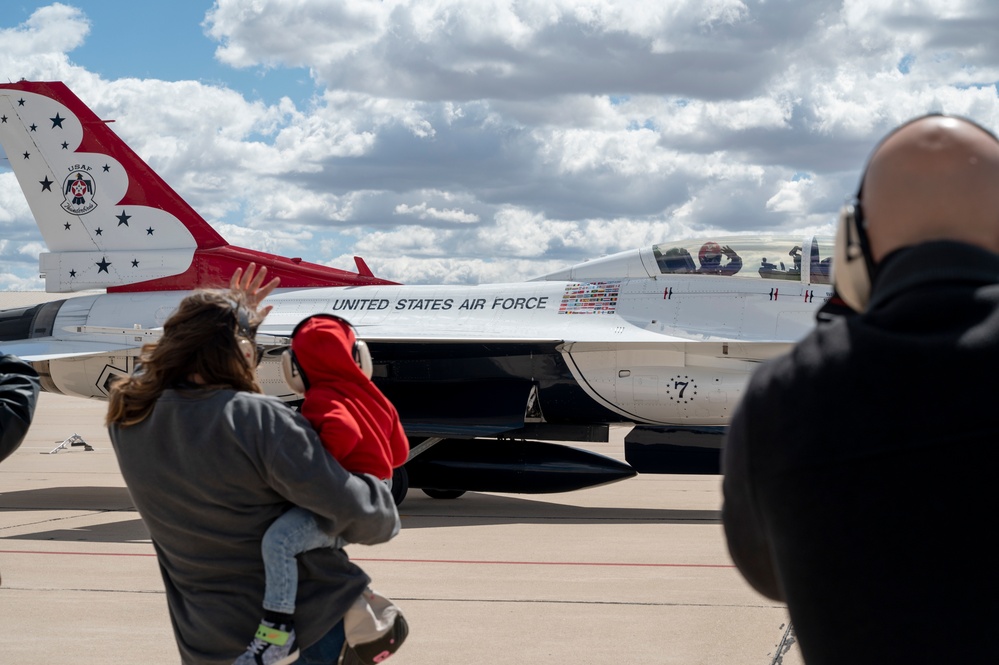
[
  {"x": 860, "y": 469},
  {"x": 18, "y": 396}
]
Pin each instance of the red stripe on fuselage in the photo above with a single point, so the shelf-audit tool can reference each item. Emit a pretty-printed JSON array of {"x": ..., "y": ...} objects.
[{"x": 212, "y": 268}]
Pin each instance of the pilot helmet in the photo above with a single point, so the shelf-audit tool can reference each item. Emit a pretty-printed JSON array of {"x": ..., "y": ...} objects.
[{"x": 710, "y": 253}]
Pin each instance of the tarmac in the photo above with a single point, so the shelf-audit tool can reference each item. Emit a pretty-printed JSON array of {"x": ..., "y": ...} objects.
[{"x": 636, "y": 571}]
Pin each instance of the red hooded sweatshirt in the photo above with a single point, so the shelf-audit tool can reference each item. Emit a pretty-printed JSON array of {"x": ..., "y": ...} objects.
[{"x": 356, "y": 422}]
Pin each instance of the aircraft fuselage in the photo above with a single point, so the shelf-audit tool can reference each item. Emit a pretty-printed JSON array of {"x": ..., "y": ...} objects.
[{"x": 662, "y": 349}]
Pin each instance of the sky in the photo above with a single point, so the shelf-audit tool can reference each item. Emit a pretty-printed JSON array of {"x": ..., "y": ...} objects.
[{"x": 478, "y": 141}]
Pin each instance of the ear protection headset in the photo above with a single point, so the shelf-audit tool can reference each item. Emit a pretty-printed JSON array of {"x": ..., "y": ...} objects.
[
  {"x": 293, "y": 373},
  {"x": 853, "y": 263},
  {"x": 246, "y": 335}
]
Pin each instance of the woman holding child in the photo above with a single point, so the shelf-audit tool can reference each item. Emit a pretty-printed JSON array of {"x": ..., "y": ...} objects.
[{"x": 210, "y": 463}]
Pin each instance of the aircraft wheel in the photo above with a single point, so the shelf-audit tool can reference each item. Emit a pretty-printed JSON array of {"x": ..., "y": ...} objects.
[
  {"x": 400, "y": 484},
  {"x": 442, "y": 494}
]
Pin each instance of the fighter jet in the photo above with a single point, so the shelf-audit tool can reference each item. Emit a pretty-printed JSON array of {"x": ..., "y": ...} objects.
[{"x": 486, "y": 378}]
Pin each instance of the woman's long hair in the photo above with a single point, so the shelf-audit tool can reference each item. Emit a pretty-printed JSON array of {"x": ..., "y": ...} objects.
[{"x": 199, "y": 338}]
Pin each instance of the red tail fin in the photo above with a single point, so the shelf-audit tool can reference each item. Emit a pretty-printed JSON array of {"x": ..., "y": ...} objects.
[{"x": 108, "y": 219}]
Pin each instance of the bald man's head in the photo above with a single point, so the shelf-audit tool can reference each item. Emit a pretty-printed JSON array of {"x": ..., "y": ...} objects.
[{"x": 936, "y": 178}]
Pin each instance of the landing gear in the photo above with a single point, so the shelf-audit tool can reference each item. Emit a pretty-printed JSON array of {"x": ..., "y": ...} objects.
[
  {"x": 400, "y": 487},
  {"x": 442, "y": 494},
  {"x": 400, "y": 484}
]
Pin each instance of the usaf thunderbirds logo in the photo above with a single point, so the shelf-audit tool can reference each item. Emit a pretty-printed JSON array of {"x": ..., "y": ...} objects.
[{"x": 79, "y": 190}]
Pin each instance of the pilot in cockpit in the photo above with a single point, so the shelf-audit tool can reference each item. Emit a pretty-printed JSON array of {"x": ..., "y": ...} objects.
[
  {"x": 710, "y": 257},
  {"x": 795, "y": 255}
]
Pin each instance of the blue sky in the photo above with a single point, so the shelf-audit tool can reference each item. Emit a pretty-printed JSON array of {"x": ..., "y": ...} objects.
[
  {"x": 165, "y": 40},
  {"x": 450, "y": 141}
]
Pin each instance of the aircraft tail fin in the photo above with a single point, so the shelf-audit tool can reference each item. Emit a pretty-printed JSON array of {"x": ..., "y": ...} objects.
[{"x": 108, "y": 220}]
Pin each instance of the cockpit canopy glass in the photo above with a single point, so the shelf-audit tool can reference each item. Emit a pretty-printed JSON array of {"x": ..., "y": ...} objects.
[{"x": 748, "y": 256}]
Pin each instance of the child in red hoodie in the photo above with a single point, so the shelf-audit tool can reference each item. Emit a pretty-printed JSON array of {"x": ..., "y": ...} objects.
[{"x": 360, "y": 428}]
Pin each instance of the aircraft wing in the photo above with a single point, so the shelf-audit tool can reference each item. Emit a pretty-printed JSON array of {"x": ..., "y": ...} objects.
[{"x": 53, "y": 349}]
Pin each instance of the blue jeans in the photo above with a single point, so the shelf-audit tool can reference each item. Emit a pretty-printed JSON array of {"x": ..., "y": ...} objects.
[
  {"x": 326, "y": 651},
  {"x": 291, "y": 534}
]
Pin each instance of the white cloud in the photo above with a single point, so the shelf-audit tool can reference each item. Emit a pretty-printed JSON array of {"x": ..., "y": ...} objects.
[
  {"x": 31, "y": 249},
  {"x": 423, "y": 211},
  {"x": 790, "y": 197},
  {"x": 458, "y": 141},
  {"x": 56, "y": 29},
  {"x": 17, "y": 282},
  {"x": 13, "y": 205},
  {"x": 38, "y": 48}
]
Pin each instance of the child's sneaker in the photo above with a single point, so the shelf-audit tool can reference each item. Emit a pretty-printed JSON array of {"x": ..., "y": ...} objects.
[{"x": 270, "y": 646}]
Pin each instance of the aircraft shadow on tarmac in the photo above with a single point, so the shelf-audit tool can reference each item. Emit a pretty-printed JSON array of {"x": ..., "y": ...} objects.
[
  {"x": 67, "y": 498},
  {"x": 82, "y": 502},
  {"x": 127, "y": 531},
  {"x": 472, "y": 509},
  {"x": 484, "y": 509}
]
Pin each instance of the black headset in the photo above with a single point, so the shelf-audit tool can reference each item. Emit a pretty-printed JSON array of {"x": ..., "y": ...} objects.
[
  {"x": 246, "y": 334},
  {"x": 853, "y": 262},
  {"x": 293, "y": 373}
]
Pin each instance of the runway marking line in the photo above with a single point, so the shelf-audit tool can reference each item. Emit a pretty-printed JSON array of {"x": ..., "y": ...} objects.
[{"x": 451, "y": 561}]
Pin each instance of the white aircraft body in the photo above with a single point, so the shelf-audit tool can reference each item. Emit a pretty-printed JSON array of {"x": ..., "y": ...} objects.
[{"x": 662, "y": 338}]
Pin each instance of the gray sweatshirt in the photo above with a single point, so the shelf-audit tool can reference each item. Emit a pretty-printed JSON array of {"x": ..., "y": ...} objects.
[{"x": 208, "y": 471}]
